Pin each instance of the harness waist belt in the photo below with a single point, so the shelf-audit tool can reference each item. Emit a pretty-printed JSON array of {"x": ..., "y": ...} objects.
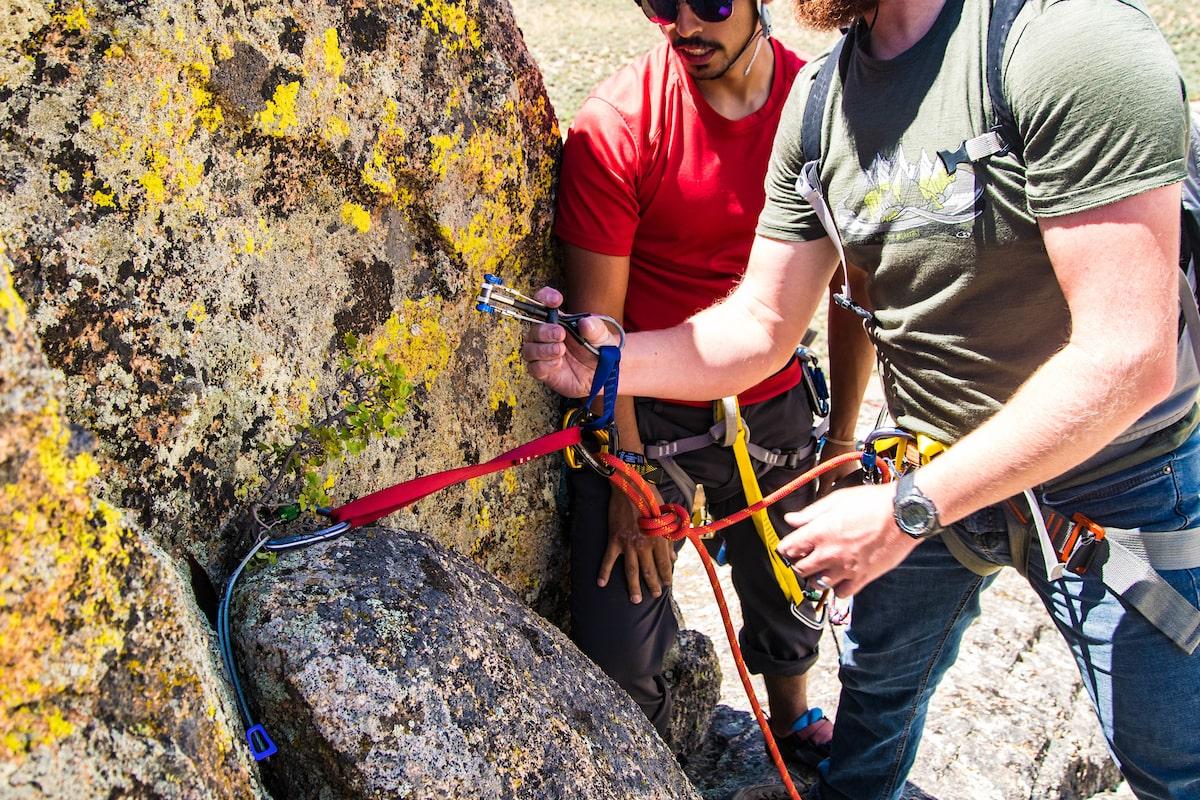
[{"x": 716, "y": 435}]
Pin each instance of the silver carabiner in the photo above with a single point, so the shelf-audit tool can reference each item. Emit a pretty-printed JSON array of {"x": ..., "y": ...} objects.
[{"x": 496, "y": 298}]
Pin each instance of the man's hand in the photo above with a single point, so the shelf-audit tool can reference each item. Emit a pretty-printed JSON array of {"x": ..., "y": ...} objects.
[
  {"x": 647, "y": 558},
  {"x": 557, "y": 360},
  {"x": 847, "y": 539}
]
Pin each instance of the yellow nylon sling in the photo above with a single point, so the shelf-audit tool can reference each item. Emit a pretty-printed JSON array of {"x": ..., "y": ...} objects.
[{"x": 727, "y": 408}]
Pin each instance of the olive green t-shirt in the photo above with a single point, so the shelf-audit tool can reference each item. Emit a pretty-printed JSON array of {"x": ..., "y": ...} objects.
[{"x": 967, "y": 303}]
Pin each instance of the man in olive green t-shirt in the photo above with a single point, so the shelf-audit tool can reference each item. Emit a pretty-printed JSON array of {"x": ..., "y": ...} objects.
[{"x": 1025, "y": 314}]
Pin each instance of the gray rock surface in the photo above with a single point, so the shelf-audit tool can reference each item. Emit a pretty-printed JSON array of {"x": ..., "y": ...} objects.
[
  {"x": 693, "y": 672},
  {"x": 390, "y": 667}
]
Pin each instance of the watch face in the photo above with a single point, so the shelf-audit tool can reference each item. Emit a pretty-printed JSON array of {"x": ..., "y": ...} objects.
[{"x": 913, "y": 516}]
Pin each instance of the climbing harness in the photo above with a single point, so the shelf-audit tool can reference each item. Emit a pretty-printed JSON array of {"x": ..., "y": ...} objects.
[
  {"x": 731, "y": 431},
  {"x": 788, "y": 580}
]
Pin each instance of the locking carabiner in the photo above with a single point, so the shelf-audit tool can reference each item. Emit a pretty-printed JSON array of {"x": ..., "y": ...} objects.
[{"x": 578, "y": 456}]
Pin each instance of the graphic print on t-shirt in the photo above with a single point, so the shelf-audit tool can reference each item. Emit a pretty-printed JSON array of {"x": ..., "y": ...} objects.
[{"x": 895, "y": 195}]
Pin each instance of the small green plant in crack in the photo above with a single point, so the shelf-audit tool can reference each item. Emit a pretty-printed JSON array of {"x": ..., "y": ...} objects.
[{"x": 370, "y": 399}]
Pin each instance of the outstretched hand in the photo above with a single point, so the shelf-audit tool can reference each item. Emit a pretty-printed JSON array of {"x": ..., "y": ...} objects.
[{"x": 557, "y": 360}]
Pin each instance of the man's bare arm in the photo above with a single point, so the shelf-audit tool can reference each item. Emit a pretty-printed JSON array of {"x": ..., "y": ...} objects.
[
  {"x": 719, "y": 351},
  {"x": 1116, "y": 266}
]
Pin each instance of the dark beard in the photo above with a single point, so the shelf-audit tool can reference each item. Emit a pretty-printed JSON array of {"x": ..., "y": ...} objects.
[{"x": 828, "y": 15}]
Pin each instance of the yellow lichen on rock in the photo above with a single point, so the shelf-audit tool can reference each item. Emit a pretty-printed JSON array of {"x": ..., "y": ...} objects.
[
  {"x": 335, "y": 64},
  {"x": 449, "y": 18},
  {"x": 76, "y": 19},
  {"x": 495, "y": 160},
  {"x": 56, "y": 543},
  {"x": 387, "y": 159},
  {"x": 356, "y": 216},
  {"x": 12, "y": 307},
  {"x": 414, "y": 339},
  {"x": 279, "y": 115}
]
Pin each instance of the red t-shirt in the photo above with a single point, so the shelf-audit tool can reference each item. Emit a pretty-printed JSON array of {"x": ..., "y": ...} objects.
[{"x": 652, "y": 172}]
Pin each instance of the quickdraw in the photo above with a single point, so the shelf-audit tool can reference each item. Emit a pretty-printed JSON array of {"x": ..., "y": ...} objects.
[{"x": 496, "y": 298}]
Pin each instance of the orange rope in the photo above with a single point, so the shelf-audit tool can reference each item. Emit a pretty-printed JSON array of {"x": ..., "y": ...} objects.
[{"x": 673, "y": 522}]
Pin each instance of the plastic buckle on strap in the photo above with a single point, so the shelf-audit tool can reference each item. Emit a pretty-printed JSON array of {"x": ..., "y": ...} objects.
[
  {"x": 842, "y": 301},
  {"x": 261, "y": 744},
  {"x": 788, "y": 459},
  {"x": 1076, "y": 544},
  {"x": 701, "y": 517}
]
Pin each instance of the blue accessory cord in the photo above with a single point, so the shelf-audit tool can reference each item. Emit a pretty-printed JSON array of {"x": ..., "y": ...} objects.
[
  {"x": 261, "y": 745},
  {"x": 608, "y": 367}
]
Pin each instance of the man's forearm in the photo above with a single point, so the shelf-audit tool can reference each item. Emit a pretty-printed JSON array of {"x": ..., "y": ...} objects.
[{"x": 1065, "y": 413}]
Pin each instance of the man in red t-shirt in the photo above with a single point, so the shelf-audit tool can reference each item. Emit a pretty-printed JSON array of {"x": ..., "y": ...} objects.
[{"x": 660, "y": 192}]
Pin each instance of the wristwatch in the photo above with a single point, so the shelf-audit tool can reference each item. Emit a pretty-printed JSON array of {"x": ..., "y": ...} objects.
[{"x": 915, "y": 513}]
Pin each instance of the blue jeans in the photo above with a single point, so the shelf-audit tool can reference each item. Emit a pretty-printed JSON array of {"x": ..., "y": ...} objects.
[{"x": 907, "y": 626}]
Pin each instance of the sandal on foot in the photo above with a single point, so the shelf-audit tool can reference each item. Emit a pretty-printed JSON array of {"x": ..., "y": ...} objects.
[{"x": 799, "y": 747}]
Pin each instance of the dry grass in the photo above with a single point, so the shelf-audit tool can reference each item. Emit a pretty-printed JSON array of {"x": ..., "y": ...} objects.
[{"x": 577, "y": 44}]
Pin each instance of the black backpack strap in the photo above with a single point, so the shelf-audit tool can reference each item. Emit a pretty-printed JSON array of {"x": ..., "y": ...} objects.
[
  {"x": 818, "y": 98},
  {"x": 1004, "y": 14}
]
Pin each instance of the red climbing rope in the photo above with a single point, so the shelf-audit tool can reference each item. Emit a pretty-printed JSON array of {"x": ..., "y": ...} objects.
[{"x": 672, "y": 521}]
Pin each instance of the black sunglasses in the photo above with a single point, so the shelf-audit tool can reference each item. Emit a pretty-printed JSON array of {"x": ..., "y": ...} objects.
[{"x": 665, "y": 12}]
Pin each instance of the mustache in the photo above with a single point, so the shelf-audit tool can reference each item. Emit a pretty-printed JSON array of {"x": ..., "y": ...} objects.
[{"x": 694, "y": 41}]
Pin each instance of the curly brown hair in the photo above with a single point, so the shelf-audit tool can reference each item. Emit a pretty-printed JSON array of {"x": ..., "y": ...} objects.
[{"x": 828, "y": 15}]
